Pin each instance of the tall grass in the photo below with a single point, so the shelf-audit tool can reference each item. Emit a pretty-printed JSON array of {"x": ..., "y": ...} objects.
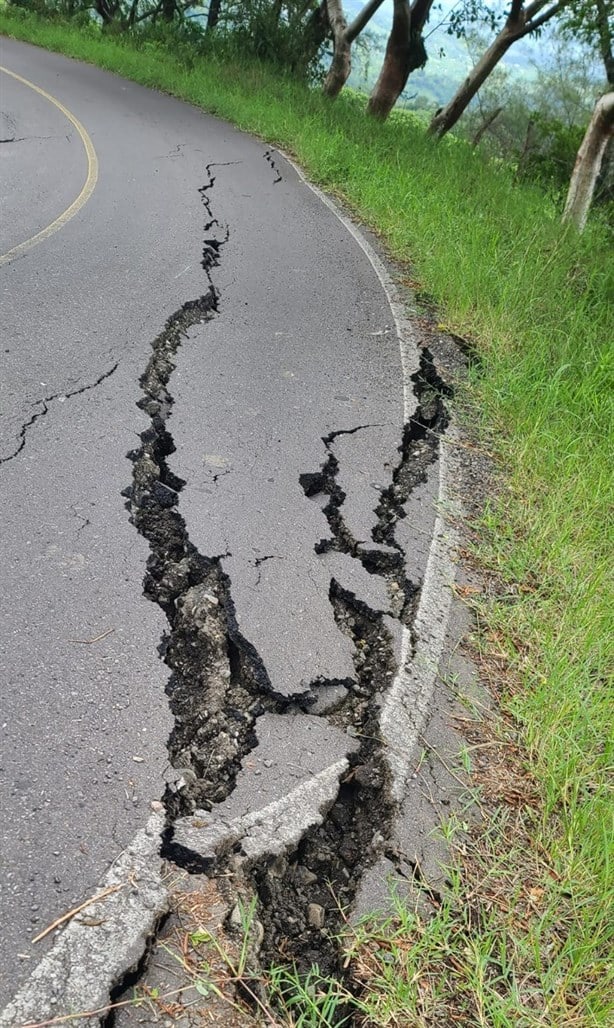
[{"x": 536, "y": 300}]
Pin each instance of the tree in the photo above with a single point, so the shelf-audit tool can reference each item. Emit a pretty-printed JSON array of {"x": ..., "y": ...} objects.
[
  {"x": 592, "y": 22},
  {"x": 343, "y": 36},
  {"x": 588, "y": 162},
  {"x": 405, "y": 52},
  {"x": 497, "y": 117},
  {"x": 213, "y": 14},
  {"x": 286, "y": 33},
  {"x": 521, "y": 20}
]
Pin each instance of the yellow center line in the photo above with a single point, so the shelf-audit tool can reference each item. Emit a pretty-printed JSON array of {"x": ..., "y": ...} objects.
[{"x": 88, "y": 186}]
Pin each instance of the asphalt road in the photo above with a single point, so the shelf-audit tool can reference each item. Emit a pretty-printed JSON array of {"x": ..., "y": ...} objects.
[{"x": 303, "y": 346}]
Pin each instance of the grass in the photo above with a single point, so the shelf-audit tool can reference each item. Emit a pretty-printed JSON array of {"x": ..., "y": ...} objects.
[{"x": 536, "y": 301}]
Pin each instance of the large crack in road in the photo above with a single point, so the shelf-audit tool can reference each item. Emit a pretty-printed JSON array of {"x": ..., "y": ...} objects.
[
  {"x": 303, "y": 856},
  {"x": 296, "y": 568},
  {"x": 291, "y": 799}
]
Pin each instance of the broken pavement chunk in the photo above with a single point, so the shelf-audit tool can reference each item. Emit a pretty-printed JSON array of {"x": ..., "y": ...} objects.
[{"x": 275, "y": 799}]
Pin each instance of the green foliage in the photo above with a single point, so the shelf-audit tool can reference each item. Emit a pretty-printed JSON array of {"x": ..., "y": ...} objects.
[
  {"x": 287, "y": 36},
  {"x": 592, "y": 23},
  {"x": 465, "y": 16},
  {"x": 309, "y": 1000},
  {"x": 42, "y": 8},
  {"x": 552, "y": 151},
  {"x": 536, "y": 299}
]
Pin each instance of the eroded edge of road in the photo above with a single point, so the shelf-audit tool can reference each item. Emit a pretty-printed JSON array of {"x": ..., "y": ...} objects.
[{"x": 218, "y": 691}]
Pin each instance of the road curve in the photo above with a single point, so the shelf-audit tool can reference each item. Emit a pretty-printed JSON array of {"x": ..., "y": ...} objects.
[{"x": 294, "y": 366}]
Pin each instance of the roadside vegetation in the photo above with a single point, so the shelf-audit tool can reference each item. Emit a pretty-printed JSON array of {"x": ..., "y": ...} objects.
[{"x": 525, "y": 936}]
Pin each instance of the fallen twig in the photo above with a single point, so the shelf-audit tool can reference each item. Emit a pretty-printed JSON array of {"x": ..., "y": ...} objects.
[
  {"x": 96, "y": 639},
  {"x": 65, "y": 1018},
  {"x": 75, "y": 910}
]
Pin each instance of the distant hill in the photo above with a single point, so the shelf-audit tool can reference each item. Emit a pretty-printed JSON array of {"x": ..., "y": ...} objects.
[{"x": 449, "y": 59}]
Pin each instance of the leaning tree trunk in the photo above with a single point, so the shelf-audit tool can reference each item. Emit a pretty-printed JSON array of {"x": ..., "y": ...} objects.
[
  {"x": 447, "y": 117},
  {"x": 588, "y": 162},
  {"x": 343, "y": 37},
  {"x": 396, "y": 66},
  {"x": 341, "y": 65}
]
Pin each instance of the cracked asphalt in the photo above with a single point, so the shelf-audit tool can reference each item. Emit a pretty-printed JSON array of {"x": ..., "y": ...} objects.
[
  {"x": 303, "y": 346},
  {"x": 300, "y": 362}
]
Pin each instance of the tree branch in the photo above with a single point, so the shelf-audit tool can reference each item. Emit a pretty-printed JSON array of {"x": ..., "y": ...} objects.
[
  {"x": 535, "y": 7},
  {"x": 420, "y": 10},
  {"x": 515, "y": 11},
  {"x": 151, "y": 12},
  {"x": 362, "y": 18},
  {"x": 536, "y": 23},
  {"x": 488, "y": 121}
]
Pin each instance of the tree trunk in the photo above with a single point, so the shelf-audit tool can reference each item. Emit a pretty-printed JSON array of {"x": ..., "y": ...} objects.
[
  {"x": 341, "y": 66},
  {"x": 343, "y": 37},
  {"x": 605, "y": 40},
  {"x": 488, "y": 121},
  {"x": 106, "y": 11},
  {"x": 588, "y": 162},
  {"x": 526, "y": 149},
  {"x": 447, "y": 117},
  {"x": 521, "y": 22},
  {"x": 213, "y": 14},
  {"x": 396, "y": 67},
  {"x": 168, "y": 10}
]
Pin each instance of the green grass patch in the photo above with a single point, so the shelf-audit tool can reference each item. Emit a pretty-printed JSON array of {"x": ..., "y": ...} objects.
[{"x": 536, "y": 300}]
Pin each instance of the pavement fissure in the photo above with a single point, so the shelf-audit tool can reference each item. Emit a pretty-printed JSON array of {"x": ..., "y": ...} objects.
[
  {"x": 43, "y": 405},
  {"x": 307, "y": 873},
  {"x": 268, "y": 156}
]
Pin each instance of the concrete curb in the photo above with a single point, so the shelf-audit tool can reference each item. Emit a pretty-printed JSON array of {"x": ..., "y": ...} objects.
[
  {"x": 269, "y": 831},
  {"x": 101, "y": 944},
  {"x": 406, "y": 704},
  {"x": 405, "y": 707}
]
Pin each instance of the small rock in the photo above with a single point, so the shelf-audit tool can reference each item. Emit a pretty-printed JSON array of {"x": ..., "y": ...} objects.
[
  {"x": 305, "y": 876},
  {"x": 235, "y": 918},
  {"x": 315, "y": 915},
  {"x": 278, "y": 867}
]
